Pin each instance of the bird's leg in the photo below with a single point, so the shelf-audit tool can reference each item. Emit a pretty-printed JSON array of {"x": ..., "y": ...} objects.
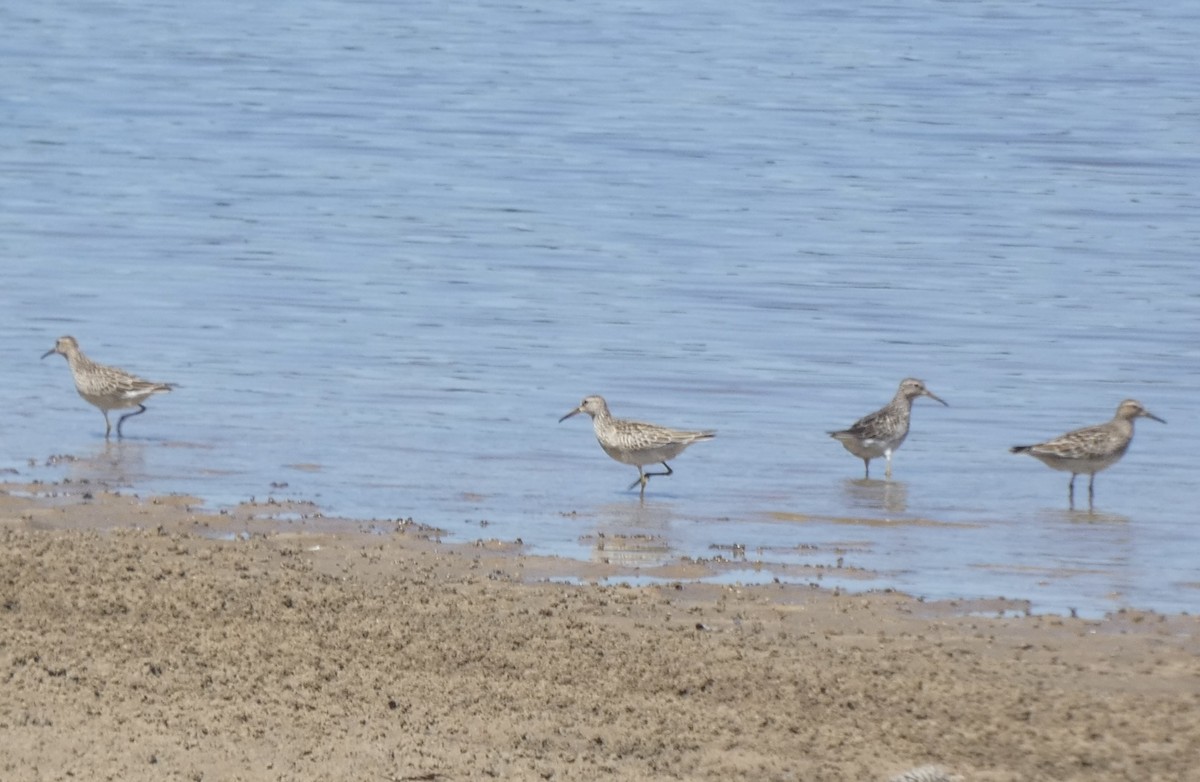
[
  {"x": 141, "y": 409},
  {"x": 1071, "y": 492},
  {"x": 867, "y": 471},
  {"x": 107, "y": 425},
  {"x": 644, "y": 477},
  {"x": 668, "y": 472},
  {"x": 888, "y": 472},
  {"x": 1091, "y": 491}
]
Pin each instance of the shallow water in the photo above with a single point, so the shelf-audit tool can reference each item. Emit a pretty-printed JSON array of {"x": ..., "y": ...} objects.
[{"x": 383, "y": 247}]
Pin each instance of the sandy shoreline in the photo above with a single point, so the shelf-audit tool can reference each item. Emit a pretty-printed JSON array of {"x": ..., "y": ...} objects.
[{"x": 143, "y": 639}]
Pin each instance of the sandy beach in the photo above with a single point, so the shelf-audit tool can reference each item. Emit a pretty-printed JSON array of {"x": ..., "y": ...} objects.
[{"x": 143, "y": 639}]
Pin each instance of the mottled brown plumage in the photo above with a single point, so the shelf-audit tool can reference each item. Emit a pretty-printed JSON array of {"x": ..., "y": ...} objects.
[
  {"x": 1091, "y": 449},
  {"x": 882, "y": 432},
  {"x": 926, "y": 774},
  {"x": 634, "y": 442},
  {"x": 108, "y": 388}
]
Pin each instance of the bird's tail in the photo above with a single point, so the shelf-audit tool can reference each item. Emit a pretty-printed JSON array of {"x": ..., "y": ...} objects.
[{"x": 1019, "y": 448}]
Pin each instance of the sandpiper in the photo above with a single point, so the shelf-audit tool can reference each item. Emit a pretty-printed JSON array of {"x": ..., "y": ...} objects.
[
  {"x": 108, "y": 388},
  {"x": 926, "y": 774},
  {"x": 636, "y": 443},
  {"x": 1090, "y": 449},
  {"x": 882, "y": 432}
]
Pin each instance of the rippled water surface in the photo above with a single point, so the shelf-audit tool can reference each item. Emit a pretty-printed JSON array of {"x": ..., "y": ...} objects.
[{"x": 382, "y": 247}]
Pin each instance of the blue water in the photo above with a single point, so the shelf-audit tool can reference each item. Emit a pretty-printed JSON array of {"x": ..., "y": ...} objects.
[{"x": 382, "y": 247}]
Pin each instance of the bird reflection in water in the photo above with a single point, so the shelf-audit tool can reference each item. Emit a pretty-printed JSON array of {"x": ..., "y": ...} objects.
[
  {"x": 633, "y": 535},
  {"x": 870, "y": 495},
  {"x": 114, "y": 464}
]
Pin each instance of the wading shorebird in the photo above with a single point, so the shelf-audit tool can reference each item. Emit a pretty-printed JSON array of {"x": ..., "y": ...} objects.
[
  {"x": 1090, "y": 449},
  {"x": 926, "y": 774},
  {"x": 882, "y": 432},
  {"x": 108, "y": 388},
  {"x": 636, "y": 443}
]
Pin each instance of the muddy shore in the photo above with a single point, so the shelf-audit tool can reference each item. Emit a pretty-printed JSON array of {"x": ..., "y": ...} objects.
[{"x": 145, "y": 639}]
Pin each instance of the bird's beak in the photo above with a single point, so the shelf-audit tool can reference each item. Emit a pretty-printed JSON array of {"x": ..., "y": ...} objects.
[
  {"x": 932, "y": 395},
  {"x": 568, "y": 415},
  {"x": 1148, "y": 414},
  {"x": 48, "y": 352}
]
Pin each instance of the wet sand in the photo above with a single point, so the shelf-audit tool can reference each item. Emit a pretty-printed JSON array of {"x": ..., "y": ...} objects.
[{"x": 143, "y": 639}]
